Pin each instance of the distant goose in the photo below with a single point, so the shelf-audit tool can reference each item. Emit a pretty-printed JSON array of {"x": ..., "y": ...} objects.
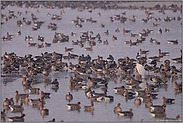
[
  {"x": 134, "y": 35},
  {"x": 126, "y": 31},
  {"x": 114, "y": 38},
  {"x": 152, "y": 40},
  {"x": 106, "y": 33},
  {"x": 155, "y": 24},
  {"x": 32, "y": 44},
  {"x": 17, "y": 118},
  {"x": 167, "y": 30},
  {"x": 162, "y": 53},
  {"x": 69, "y": 97},
  {"x": 126, "y": 113},
  {"x": 143, "y": 51},
  {"x": 118, "y": 108},
  {"x": 167, "y": 100},
  {"x": 40, "y": 45},
  {"x": 74, "y": 106},
  {"x": 68, "y": 49},
  {"x": 173, "y": 42},
  {"x": 172, "y": 119},
  {"x": 89, "y": 48},
  {"x": 160, "y": 113},
  {"x": 177, "y": 86},
  {"x": 47, "y": 44},
  {"x": 17, "y": 108},
  {"x": 160, "y": 31},
  {"x": 106, "y": 42},
  {"x": 89, "y": 108},
  {"x": 44, "y": 111}
]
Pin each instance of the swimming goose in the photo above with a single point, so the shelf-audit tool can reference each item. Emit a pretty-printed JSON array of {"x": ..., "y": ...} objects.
[
  {"x": 160, "y": 31},
  {"x": 172, "y": 119},
  {"x": 133, "y": 35},
  {"x": 17, "y": 95},
  {"x": 167, "y": 100},
  {"x": 68, "y": 49},
  {"x": 74, "y": 106},
  {"x": 137, "y": 101},
  {"x": 173, "y": 42},
  {"x": 177, "y": 86},
  {"x": 69, "y": 97},
  {"x": 89, "y": 108},
  {"x": 17, "y": 118},
  {"x": 47, "y": 44},
  {"x": 32, "y": 44},
  {"x": 162, "y": 53},
  {"x": 155, "y": 24},
  {"x": 44, "y": 111},
  {"x": 114, "y": 38},
  {"x": 44, "y": 95},
  {"x": 89, "y": 48},
  {"x": 106, "y": 33},
  {"x": 106, "y": 42},
  {"x": 160, "y": 113},
  {"x": 126, "y": 113},
  {"x": 117, "y": 30},
  {"x": 17, "y": 108},
  {"x": 126, "y": 31},
  {"x": 143, "y": 52},
  {"x": 118, "y": 108}
]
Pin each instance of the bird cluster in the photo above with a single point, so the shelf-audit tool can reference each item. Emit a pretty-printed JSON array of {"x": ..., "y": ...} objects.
[{"x": 90, "y": 74}]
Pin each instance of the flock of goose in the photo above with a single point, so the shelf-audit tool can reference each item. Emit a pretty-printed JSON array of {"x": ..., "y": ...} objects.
[{"x": 90, "y": 74}]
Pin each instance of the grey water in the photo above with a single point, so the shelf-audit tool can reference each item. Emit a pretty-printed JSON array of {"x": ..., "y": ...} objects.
[{"x": 103, "y": 111}]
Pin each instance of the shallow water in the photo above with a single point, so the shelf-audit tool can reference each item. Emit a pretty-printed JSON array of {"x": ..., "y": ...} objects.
[{"x": 103, "y": 111}]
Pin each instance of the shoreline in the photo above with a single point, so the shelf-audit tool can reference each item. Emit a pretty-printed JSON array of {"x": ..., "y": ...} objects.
[{"x": 93, "y": 4}]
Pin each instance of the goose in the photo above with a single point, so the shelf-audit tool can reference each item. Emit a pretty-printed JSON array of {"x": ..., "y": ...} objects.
[
  {"x": 74, "y": 106},
  {"x": 173, "y": 42},
  {"x": 69, "y": 97},
  {"x": 89, "y": 108},
  {"x": 162, "y": 53},
  {"x": 118, "y": 108},
  {"x": 167, "y": 100},
  {"x": 89, "y": 48},
  {"x": 47, "y": 44},
  {"x": 106, "y": 33},
  {"x": 17, "y": 118},
  {"x": 126, "y": 113}
]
